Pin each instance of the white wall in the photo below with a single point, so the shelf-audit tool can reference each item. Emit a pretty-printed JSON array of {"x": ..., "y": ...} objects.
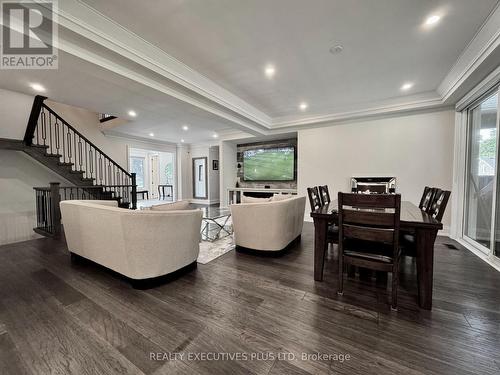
[
  {"x": 227, "y": 166},
  {"x": 19, "y": 173},
  {"x": 15, "y": 111},
  {"x": 184, "y": 171},
  {"x": 417, "y": 149}
]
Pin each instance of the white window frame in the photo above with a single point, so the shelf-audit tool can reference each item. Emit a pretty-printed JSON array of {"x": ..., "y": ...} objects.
[{"x": 489, "y": 85}]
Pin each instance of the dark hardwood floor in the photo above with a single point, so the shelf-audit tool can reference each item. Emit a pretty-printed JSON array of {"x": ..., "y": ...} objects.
[{"x": 59, "y": 318}]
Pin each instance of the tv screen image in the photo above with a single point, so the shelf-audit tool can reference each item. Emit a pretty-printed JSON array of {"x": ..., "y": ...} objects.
[{"x": 269, "y": 164}]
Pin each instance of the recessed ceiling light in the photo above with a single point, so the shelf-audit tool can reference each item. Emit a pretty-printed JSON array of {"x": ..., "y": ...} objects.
[
  {"x": 151, "y": 134},
  {"x": 185, "y": 128},
  {"x": 37, "y": 87},
  {"x": 269, "y": 71},
  {"x": 215, "y": 135},
  {"x": 182, "y": 140},
  {"x": 432, "y": 20},
  {"x": 132, "y": 113},
  {"x": 336, "y": 49},
  {"x": 303, "y": 106},
  {"x": 406, "y": 86}
]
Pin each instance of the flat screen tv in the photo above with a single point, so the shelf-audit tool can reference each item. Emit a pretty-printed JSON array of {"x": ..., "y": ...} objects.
[{"x": 269, "y": 164}]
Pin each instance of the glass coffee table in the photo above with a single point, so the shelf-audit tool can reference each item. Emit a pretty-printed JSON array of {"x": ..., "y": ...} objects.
[{"x": 216, "y": 223}]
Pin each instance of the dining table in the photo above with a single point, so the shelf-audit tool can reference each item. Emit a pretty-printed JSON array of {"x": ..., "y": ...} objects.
[{"x": 412, "y": 220}]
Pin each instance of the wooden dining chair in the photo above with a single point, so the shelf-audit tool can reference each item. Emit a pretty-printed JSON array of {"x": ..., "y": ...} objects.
[
  {"x": 436, "y": 209},
  {"x": 439, "y": 202},
  {"x": 324, "y": 194},
  {"x": 369, "y": 235},
  {"x": 314, "y": 198},
  {"x": 424, "y": 195},
  {"x": 427, "y": 197},
  {"x": 315, "y": 202}
]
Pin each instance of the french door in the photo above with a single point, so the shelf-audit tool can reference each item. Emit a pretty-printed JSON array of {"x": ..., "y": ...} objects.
[{"x": 482, "y": 193}]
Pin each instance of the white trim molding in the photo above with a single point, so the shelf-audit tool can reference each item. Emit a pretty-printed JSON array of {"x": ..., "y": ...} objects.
[
  {"x": 479, "y": 254},
  {"x": 484, "y": 43},
  {"x": 97, "y": 31},
  {"x": 460, "y": 168}
]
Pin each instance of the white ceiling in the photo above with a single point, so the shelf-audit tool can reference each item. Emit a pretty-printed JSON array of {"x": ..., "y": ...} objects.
[
  {"x": 384, "y": 42},
  {"x": 86, "y": 85},
  {"x": 201, "y": 62}
]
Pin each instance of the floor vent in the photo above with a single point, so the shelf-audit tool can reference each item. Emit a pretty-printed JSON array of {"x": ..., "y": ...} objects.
[{"x": 451, "y": 246}]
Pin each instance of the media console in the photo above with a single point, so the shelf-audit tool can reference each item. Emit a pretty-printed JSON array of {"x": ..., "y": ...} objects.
[{"x": 234, "y": 194}]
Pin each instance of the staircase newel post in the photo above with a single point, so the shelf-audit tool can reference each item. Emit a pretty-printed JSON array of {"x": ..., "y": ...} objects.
[
  {"x": 55, "y": 198},
  {"x": 32, "y": 122},
  {"x": 134, "y": 192}
]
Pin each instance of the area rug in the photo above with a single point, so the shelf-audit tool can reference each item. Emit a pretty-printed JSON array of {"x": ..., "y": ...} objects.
[{"x": 212, "y": 250}]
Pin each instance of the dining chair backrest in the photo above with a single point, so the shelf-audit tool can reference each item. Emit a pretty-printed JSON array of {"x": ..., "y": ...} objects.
[
  {"x": 427, "y": 198},
  {"x": 424, "y": 195},
  {"x": 369, "y": 217},
  {"x": 324, "y": 194},
  {"x": 314, "y": 198},
  {"x": 439, "y": 202}
]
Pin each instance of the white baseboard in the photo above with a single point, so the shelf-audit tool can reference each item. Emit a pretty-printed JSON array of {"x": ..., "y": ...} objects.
[
  {"x": 478, "y": 253},
  {"x": 445, "y": 232}
]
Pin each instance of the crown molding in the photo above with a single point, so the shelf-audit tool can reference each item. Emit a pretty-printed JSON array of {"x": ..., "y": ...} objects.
[
  {"x": 383, "y": 108},
  {"x": 484, "y": 42},
  {"x": 479, "y": 90},
  {"x": 134, "y": 138},
  {"x": 194, "y": 88},
  {"x": 114, "y": 67},
  {"x": 84, "y": 20}
]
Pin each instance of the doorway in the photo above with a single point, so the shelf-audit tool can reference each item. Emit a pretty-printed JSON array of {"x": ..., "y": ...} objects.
[{"x": 154, "y": 170}]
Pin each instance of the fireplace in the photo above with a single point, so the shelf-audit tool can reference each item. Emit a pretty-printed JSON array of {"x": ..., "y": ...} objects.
[{"x": 373, "y": 185}]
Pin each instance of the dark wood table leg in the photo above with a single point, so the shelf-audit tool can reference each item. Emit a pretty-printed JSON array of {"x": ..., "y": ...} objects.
[
  {"x": 425, "y": 263},
  {"x": 320, "y": 244}
]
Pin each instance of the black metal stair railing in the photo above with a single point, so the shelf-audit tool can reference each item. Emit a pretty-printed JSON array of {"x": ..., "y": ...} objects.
[
  {"x": 47, "y": 221},
  {"x": 74, "y": 149},
  {"x": 48, "y": 216},
  {"x": 50, "y": 131},
  {"x": 97, "y": 175}
]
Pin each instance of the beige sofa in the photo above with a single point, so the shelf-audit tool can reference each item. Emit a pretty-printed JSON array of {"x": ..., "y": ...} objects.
[
  {"x": 137, "y": 244},
  {"x": 269, "y": 225}
]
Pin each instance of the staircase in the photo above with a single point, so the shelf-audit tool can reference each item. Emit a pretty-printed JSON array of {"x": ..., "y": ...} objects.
[{"x": 52, "y": 141}]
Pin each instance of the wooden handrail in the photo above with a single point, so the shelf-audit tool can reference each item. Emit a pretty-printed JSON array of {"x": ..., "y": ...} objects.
[{"x": 32, "y": 122}]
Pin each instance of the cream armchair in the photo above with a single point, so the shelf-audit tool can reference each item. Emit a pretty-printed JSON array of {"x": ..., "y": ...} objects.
[
  {"x": 137, "y": 244},
  {"x": 268, "y": 226}
]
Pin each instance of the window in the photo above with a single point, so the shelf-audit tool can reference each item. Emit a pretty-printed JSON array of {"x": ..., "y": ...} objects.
[
  {"x": 137, "y": 167},
  {"x": 169, "y": 173},
  {"x": 481, "y": 181}
]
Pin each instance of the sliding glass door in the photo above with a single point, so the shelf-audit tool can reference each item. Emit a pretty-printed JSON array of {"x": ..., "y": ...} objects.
[{"x": 482, "y": 206}]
